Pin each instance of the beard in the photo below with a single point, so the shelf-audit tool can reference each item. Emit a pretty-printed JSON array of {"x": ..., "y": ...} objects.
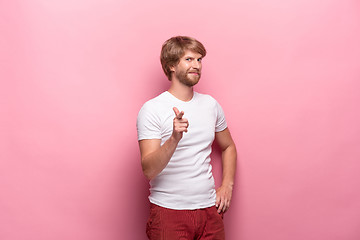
[{"x": 188, "y": 79}]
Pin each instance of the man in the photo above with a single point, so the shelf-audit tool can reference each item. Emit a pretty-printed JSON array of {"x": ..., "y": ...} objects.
[{"x": 175, "y": 132}]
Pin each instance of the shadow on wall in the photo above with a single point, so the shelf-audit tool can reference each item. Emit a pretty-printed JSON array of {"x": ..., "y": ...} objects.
[{"x": 132, "y": 197}]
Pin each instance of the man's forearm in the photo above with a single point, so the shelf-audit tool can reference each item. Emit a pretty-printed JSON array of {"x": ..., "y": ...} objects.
[
  {"x": 224, "y": 192},
  {"x": 153, "y": 163}
]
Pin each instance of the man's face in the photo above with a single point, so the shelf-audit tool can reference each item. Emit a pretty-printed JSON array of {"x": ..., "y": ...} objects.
[{"x": 188, "y": 70}]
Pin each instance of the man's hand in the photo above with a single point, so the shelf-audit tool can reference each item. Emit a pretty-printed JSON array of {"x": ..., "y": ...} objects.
[
  {"x": 223, "y": 198},
  {"x": 180, "y": 124}
]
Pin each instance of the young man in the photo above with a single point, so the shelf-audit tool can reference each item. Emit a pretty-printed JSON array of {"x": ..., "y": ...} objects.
[{"x": 175, "y": 132}]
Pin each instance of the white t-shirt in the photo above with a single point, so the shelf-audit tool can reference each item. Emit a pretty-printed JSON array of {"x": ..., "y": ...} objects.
[{"x": 187, "y": 181}]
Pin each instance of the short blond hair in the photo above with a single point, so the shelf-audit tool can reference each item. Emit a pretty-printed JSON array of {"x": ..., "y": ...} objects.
[{"x": 174, "y": 48}]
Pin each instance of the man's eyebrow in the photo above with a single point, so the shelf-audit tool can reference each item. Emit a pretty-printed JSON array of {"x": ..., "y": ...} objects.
[{"x": 192, "y": 57}]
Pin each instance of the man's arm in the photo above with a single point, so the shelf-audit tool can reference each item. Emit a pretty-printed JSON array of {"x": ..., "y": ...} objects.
[
  {"x": 155, "y": 157},
  {"x": 228, "y": 149}
]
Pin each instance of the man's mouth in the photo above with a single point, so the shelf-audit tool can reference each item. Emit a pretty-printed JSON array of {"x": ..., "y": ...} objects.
[{"x": 196, "y": 73}]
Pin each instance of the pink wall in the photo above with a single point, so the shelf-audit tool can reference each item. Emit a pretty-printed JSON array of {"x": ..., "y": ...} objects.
[{"x": 74, "y": 74}]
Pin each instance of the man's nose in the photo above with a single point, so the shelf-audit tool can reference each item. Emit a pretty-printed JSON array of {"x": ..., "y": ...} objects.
[{"x": 196, "y": 64}]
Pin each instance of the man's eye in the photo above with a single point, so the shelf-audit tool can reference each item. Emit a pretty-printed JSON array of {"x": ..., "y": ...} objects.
[
  {"x": 199, "y": 59},
  {"x": 188, "y": 59}
]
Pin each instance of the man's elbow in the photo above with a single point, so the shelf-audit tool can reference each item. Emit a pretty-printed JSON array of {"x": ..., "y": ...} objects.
[
  {"x": 231, "y": 148},
  {"x": 148, "y": 173}
]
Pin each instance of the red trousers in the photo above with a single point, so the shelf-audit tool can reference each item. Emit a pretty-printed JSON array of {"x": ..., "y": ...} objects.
[{"x": 169, "y": 224}]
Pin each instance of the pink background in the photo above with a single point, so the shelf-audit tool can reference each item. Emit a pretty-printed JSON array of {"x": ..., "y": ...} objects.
[{"x": 74, "y": 74}]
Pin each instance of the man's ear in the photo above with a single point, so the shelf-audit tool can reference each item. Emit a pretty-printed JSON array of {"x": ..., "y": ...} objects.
[{"x": 172, "y": 68}]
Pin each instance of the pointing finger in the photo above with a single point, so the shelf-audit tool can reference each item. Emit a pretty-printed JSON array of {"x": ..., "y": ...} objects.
[
  {"x": 176, "y": 111},
  {"x": 178, "y": 114}
]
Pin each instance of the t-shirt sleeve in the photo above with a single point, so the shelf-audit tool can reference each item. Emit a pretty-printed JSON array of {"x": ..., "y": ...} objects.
[
  {"x": 221, "y": 124},
  {"x": 148, "y": 123}
]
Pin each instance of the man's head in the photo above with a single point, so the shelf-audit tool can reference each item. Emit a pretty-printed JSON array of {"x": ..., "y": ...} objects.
[{"x": 174, "y": 49}]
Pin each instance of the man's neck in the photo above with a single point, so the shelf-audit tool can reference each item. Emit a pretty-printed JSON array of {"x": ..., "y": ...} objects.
[{"x": 181, "y": 91}]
